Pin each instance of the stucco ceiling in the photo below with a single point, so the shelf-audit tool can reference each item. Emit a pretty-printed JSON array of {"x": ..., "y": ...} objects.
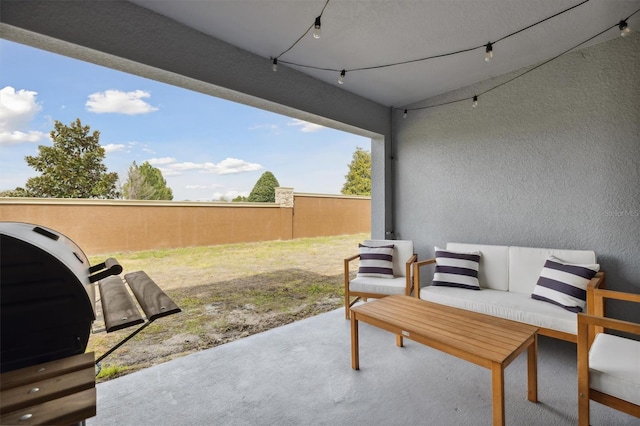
[{"x": 361, "y": 34}]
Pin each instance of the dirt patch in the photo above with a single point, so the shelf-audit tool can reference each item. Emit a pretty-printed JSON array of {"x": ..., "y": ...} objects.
[{"x": 255, "y": 294}]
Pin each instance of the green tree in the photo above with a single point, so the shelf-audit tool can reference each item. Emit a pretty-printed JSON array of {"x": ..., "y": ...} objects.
[
  {"x": 18, "y": 192},
  {"x": 358, "y": 180},
  {"x": 72, "y": 167},
  {"x": 239, "y": 199},
  {"x": 264, "y": 191},
  {"x": 136, "y": 187},
  {"x": 145, "y": 182}
]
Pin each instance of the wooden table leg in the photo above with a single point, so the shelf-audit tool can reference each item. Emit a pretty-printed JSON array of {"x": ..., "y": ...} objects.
[
  {"x": 497, "y": 386},
  {"x": 532, "y": 370},
  {"x": 355, "y": 356},
  {"x": 399, "y": 341}
]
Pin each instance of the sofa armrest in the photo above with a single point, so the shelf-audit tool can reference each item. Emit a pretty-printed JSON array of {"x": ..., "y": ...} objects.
[
  {"x": 416, "y": 274},
  {"x": 595, "y": 306}
]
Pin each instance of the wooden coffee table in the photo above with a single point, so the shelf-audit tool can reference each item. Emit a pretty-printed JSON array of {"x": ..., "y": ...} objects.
[{"x": 484, "y": 340}]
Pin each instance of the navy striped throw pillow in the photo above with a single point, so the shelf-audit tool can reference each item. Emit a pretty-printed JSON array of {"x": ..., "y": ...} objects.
[
  {"x": 376, "y": 261},
  {"x": 457, "y": 269},
  {"x": 564, "y": 284}
]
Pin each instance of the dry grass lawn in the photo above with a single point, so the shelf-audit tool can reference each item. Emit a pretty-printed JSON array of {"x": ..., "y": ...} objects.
[{"x": 227, "y": 292}]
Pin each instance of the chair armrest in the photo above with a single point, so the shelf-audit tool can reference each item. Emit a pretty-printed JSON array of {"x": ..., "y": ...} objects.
[
  {"x": 346, "y": 270},
  {"x": 595, "y": 305},
  {"x": 350, "y": 258},
  {"x": 610, "y": 323},
  {"x": 416, "y": 274},
  {"x": 407, "y": 273}
]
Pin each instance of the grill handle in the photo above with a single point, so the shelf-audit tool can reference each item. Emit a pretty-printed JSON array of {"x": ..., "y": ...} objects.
[{"x": 105, "y": 269}]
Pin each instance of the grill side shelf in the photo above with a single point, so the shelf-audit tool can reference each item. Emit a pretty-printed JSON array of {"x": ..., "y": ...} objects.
[
  {"x": 120, "y": 311},
  {"x": 118, "y": 308},
  {"x": 153, "y": 301}
]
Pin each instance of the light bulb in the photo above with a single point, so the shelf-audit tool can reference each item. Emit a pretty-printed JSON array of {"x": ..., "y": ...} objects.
[
  {"x": 489, "y": 52},
  {"x": 341, "y": 78},
  {"x": 316, "y": 28},
  {"x": 274, "y": 67},
  {"x": 405, "y": 114},
  {"x": 475, "y": 102},
  {"x": 624, "y": 28}
]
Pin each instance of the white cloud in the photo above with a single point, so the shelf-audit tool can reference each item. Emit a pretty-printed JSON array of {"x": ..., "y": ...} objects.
[
  {"x": 169, "y": 172},
  {"x": 163, "y": 160},
  {"x": 116, "y": 101},
  {"x": 17, "y": 110},
  {"x": 212, "y": 186},
  {"x": 17, "y": 137},
  {"x": 187, "y": 166},
  {"x": 305, "y": 126},
  {"x": 112, "y": 147},
  {"x": 225, "y": 167},
  {"x": 264, "y": 126},
  {"x": 231, "y": 166}
]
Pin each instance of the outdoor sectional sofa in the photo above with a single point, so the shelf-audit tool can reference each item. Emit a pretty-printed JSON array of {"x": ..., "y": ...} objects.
[{"x": 506, "y": 279}]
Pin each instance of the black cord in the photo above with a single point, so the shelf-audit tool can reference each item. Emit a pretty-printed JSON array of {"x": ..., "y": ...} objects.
[
  {"x": 441, "y": 55},
  {"x": 303, "y": 34},
  {"x": 540, "y": 22},
  {"x": 519, "y": 75}
]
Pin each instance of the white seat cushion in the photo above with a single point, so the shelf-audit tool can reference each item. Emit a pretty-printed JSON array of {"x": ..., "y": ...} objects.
[
  {"x": 614, "y": 367},
  {"x": 504, "y": 304},
  {"x": 387, "y": 286}
]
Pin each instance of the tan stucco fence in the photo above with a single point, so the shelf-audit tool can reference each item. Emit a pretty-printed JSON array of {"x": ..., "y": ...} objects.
[{"x": 107, "y": 226}]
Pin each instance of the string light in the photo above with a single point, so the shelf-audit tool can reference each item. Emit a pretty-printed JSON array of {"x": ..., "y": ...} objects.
[
  {"x": 316, "y": 34},
  {"x": 441, "y": 55},
  {"x": 489, "y": 52},
  {"x": 624, "y": 28},
  {"x": 316, "y": 28},
  {"x": 475, "y": 98},
  {"x": 622, "y": 25},
  {"x": 405, "y": 114}
]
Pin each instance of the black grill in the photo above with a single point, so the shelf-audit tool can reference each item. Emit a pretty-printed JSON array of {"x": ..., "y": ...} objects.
[{"x": 46, "y": 298}]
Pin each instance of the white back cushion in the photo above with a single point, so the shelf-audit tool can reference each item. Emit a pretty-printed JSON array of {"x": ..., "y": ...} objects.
[
  {"x": 402, "y": 252},
  {"x": 526, "y": 263},
  {"x": 494, "y": 264}
]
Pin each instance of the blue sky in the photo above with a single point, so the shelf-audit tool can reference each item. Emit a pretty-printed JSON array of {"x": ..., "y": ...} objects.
[{"x": 206, "y": 147}]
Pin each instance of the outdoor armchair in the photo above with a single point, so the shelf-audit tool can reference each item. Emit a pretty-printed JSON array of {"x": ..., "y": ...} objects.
[
  {"x": 608, "y": 364},
  {"x": 385, "y": 269}
]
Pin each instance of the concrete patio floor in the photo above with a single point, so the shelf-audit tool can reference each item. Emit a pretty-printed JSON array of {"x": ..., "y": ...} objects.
[{"x": 300, "y": 374}]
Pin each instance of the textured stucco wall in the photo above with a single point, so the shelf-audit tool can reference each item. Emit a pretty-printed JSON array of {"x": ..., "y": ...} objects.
[{"x": 551, "y": 159}]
